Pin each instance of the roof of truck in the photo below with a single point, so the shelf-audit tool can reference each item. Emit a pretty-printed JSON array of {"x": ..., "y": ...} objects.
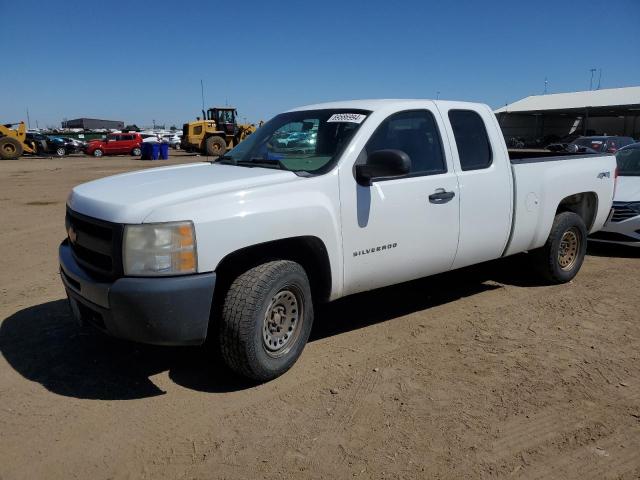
[{"x": 376, "y": 104}]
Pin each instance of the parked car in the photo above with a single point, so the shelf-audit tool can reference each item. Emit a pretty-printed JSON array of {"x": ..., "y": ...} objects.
[
  {"x": 150, "y": 137},
  {"x": 172, "y": 139},
  {"x": 624, "y": 225},
  {"x": 393, "y": 190},
  {"x": 600, "y": 144},
  {"x": 116, "y": 144},
  {"x": 560, "y": 145},
  {"x": 48, "y": 144},
  {"x": 78, "y": 145}
]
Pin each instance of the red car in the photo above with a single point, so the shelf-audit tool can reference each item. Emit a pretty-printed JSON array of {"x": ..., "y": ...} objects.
[{"x": 116, "y": 144}]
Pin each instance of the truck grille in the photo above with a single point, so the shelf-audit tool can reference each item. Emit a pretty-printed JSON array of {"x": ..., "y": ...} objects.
[
  {"x": 96, "y": 244},
  {"x": 622, "y": 212}
]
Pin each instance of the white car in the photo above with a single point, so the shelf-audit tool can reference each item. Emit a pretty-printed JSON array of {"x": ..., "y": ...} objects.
[
  {"x": 172, "y": 139},
  {"x": 150, "y": 138},
  {"x": 392, "y": 190},
  {"x": 624, "y": 225}
]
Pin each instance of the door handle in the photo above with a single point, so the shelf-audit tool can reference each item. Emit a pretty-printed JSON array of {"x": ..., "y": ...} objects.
[{"x": 441, "y": 196}]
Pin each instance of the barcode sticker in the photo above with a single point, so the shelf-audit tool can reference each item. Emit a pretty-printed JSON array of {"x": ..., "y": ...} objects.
[{"x": 347, "y": 117}]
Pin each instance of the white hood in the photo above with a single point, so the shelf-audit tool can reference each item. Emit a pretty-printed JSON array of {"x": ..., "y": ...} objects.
[
  {"x": 628, "y": 189},
  {"x": 131, "y": 197}
]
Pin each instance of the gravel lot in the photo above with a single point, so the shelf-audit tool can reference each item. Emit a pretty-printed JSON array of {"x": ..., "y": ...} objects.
[{"x": 479, "y": 373}]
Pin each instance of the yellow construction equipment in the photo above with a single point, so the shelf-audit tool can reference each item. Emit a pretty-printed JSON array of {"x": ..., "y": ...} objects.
[
  {"x": 217, "y": 132},
  {"x": 13, "y": 141}
]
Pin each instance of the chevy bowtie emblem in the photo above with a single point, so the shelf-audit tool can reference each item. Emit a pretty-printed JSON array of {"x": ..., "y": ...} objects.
[{"x": 73, "y": 236}]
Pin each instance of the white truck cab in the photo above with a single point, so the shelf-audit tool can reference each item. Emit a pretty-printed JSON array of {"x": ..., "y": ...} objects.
[{"x": 366, "y": 194}]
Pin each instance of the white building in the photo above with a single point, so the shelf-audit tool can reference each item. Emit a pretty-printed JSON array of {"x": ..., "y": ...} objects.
[{"x": 611, "y": 111}]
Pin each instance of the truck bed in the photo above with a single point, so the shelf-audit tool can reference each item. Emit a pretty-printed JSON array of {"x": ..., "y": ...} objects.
[{"x": 543, "y": 179}]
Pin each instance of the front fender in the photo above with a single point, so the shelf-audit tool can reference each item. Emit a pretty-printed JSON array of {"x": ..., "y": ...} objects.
[{"x": 228, "y": 222}]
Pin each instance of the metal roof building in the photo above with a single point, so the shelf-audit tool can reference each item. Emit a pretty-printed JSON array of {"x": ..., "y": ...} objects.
[
  {"x": 612, "y": 111},
  {"x": 93, "y": 124}
]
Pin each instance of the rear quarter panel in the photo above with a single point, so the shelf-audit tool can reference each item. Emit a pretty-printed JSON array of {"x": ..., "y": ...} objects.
[{"x": 540, "y": 186}]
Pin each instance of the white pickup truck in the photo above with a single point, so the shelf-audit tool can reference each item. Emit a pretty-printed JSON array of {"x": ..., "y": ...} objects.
[{"x": 371, "y": 193}]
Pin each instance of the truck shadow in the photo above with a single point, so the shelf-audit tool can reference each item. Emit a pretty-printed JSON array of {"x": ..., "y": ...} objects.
[
  {"x": 44, "y": 344},
  {"x": 612, "y": 250}
]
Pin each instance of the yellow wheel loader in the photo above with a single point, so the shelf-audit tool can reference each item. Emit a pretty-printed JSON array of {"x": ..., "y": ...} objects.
[
  {"x": 13, "y": 142},
  {"x": 217, "y": 132}
]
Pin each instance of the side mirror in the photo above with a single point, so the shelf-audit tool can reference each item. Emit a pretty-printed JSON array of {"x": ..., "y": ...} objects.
[{"x": 383, "y": 164}]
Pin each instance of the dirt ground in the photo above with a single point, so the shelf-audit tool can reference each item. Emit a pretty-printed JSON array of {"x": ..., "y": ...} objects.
[{"x": 479, "y": 373}]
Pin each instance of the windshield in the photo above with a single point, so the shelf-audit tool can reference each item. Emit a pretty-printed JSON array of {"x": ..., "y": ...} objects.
[
  {"x": 629, "y": 161},
  {"x": 306, "y": 141}
]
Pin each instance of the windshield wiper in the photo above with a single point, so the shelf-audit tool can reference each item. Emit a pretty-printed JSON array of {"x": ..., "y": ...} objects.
[
  {"x": 262, "y": 162},
  {"x": 252, "y": 162}
]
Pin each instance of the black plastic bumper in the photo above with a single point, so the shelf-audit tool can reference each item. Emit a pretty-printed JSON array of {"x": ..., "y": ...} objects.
[{"x": 160, "y": 311}]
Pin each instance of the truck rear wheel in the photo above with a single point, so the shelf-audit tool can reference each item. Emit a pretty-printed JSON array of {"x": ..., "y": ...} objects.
[
  {"x": 560, "y": 259},
  {"x": 266, "y": 320},
  {"x": 10, "y": 148},
  {"x": 215, "y": 146}
]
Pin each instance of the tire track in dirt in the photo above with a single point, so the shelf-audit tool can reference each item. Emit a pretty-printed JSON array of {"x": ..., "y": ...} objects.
[{"x": 615, "y": 456}]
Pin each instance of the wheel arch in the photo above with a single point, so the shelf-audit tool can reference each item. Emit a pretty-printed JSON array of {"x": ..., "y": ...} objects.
[
  {"x": 584, "y": 204},
  {"x": 309, "y": 251}
]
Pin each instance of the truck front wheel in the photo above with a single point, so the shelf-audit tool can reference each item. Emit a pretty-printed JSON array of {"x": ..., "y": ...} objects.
[
  {"x": 10, "y": 148},
  {"x": 266, "y": 320},
  {"x": 560, "y": 259},
  {"x": 215, "y": 146}
]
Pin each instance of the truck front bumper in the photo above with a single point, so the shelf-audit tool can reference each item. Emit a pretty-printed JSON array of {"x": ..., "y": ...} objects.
[{"x": 159, "y": 311}]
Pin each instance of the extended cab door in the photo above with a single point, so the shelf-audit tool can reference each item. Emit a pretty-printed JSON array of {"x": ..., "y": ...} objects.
[
  {"x": 403, "y": 228},
  {"x": 485, "y": 179}
]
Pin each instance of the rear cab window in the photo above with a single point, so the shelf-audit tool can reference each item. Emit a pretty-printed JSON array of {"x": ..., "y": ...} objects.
[{"x": 472, "y": 140}]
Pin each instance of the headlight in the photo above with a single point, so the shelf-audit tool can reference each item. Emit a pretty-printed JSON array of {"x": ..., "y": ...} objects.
[{"x": 159, "y": 249}]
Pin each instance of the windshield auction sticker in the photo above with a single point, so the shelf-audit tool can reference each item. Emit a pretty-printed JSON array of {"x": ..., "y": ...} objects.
[{"x": 347, "y": 117}]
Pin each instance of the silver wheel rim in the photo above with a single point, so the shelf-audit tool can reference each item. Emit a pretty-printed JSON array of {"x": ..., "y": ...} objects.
[
  {"x": 569, "y": 248},
  {"x": 282, "y": 321},
  {"x": 97, "y": 153}
]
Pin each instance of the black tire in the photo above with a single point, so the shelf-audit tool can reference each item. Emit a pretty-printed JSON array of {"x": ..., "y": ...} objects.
[
  {"x": 276, "y": 288},
  {"x": 98, "y": 153},
  {"x": 560, "y": 259},
  {"x": 10, "y": 148},
  {"x": 136, "y": 152},
  {"x": 60, "y": 151},
  {"x": 215, "y": 146}
]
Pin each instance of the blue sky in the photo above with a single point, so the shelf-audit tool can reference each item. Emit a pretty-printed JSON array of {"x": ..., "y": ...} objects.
[{"x": 143, "y": 61}]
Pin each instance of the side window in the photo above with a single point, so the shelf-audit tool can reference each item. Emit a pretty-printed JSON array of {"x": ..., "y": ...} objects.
[
  {"x": 472, "y": 140},
  {"x": 197, "y": 130},
  {"x": 414, "y": 132}
]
